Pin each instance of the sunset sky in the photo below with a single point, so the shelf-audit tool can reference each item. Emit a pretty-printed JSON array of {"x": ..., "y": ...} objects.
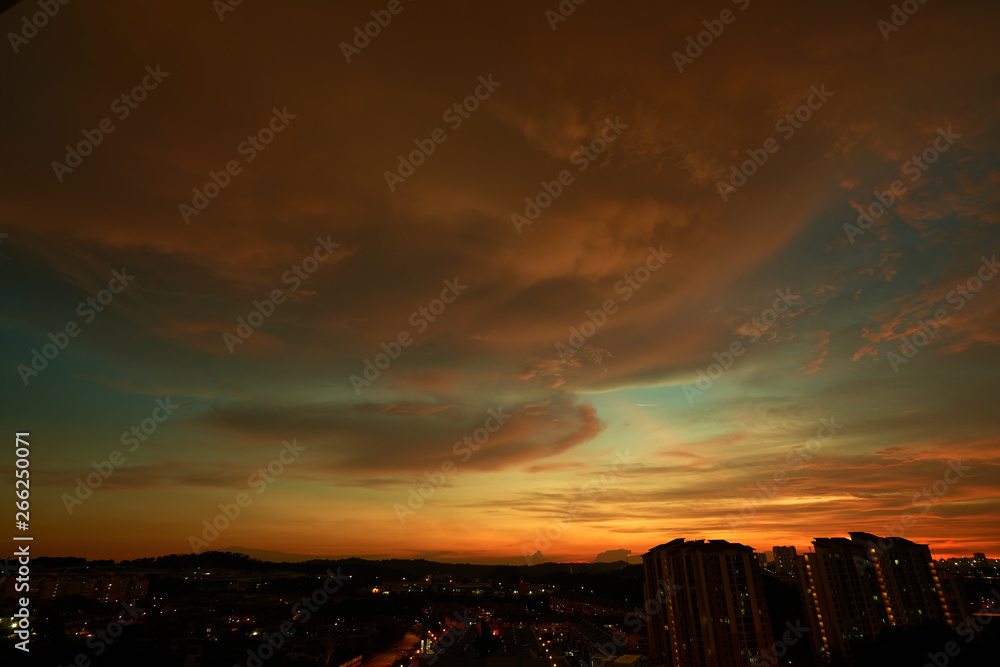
[{"x": 611, "y": 436}]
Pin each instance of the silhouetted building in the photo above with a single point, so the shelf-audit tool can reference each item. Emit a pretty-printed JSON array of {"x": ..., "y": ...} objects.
[
  {"x": 710, "y": 601},
  {"x": 784, "y": 559},
  {"x": 856, "y": 588},
  {"x": 911, "y": 587},
  {"x": 842, "y": 596}
]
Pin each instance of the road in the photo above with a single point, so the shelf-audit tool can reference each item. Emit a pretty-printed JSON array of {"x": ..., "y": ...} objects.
[{"x": 388, "y": 657}]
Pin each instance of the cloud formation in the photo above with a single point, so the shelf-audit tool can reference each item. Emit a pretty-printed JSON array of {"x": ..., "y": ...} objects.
[{"x": 656, "y": 185}]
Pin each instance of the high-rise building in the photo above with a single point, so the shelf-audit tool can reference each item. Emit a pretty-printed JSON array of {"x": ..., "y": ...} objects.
[
  {"x": 709, "y": 602},
  {"x": 841, "y": 595},
  {"x": 784, "y": 559},
  {"x": 856, "y": 588},
  {"x": 910, "y": 584}
]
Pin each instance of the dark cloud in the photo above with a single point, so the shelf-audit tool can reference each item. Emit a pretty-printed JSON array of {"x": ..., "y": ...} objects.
[{"x": 612, "y": 555}]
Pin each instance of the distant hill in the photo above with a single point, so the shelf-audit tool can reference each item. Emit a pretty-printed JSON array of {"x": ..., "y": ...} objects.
[
  {"x": 283, "y": 557},
  {"x": 515, "y": 561},
  {"x": 381, "y": 569}
]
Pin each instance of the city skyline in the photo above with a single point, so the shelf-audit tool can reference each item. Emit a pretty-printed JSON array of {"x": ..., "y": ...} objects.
[{"x": 503, "y": 281}]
